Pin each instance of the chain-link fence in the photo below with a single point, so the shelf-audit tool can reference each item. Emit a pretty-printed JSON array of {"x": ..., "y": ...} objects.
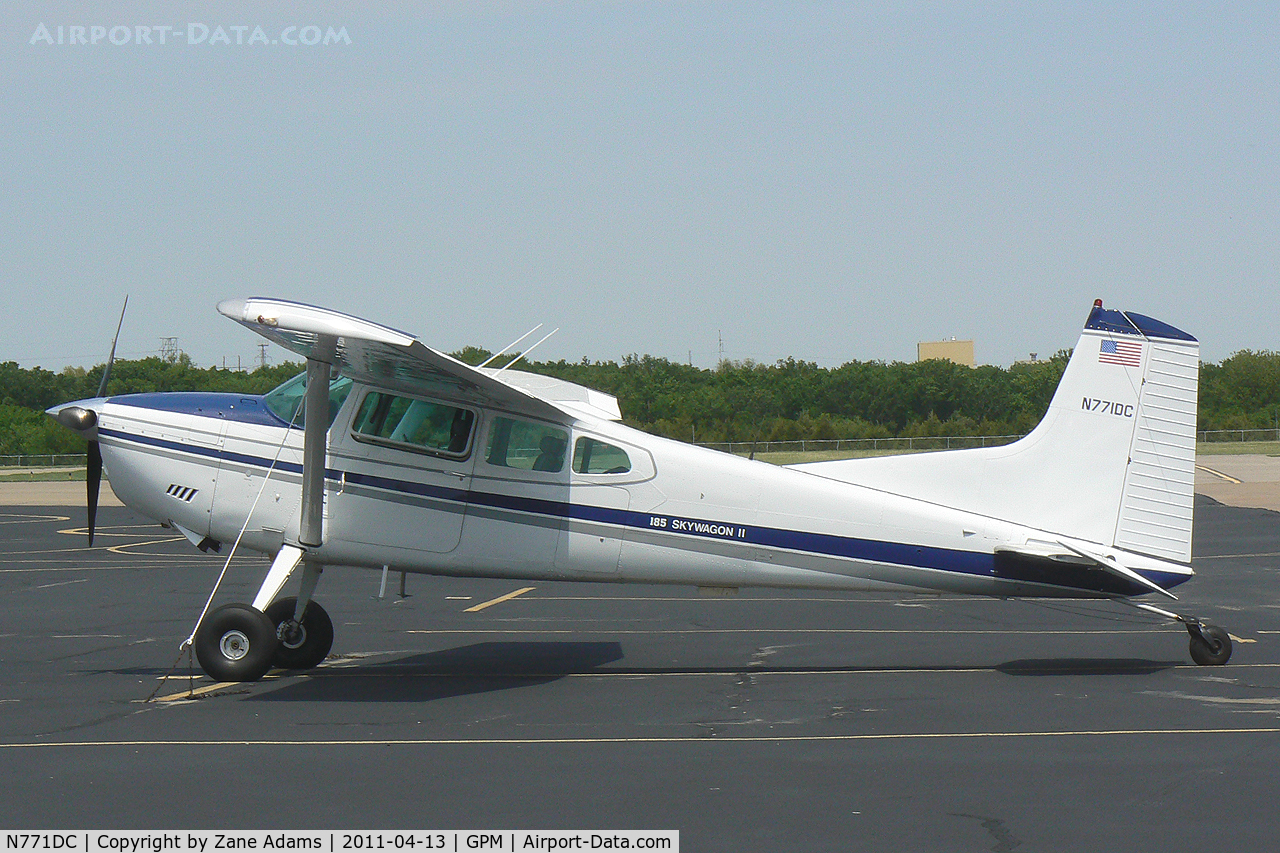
[
  {"x": 1238, "y": 435},
  {"x": 44, "y": 460},
  {"x": 942, "y": 442},
  {"x": 929, "y": 442}
]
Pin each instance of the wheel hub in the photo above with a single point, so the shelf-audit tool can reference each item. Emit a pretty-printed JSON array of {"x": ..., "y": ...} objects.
[
  {"x": 291, "y": 634},
  {"x": 234, "y": 645}
]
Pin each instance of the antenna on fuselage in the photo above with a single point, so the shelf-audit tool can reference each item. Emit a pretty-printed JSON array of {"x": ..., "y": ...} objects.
[
  {"x": 485, "y": 363},
  {"x": 526, "y": 352}
]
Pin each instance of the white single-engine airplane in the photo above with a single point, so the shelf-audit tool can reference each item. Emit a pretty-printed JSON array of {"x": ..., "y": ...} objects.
[{"x": 387, "y": 453}]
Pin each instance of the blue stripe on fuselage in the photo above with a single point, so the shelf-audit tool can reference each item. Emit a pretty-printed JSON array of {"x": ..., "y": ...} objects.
[
  {"x": 825, "y": 544},
  {"x": 243, "y": 408}
]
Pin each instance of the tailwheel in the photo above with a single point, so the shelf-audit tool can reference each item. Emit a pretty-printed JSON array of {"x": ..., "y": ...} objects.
[
  {"x": 236, "y": 643},
  {"x": 304, "y": 643},
  {"x": 1210, "y": 645}
]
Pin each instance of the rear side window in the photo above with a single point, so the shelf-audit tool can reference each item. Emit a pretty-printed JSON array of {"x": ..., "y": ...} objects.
[
  {"x": 591, "y": 456},
  {"x": 526, "y": 445},
  {"x": 416, "y": 424}
]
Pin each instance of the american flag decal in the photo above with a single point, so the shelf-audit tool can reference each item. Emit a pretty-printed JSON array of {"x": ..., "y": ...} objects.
[{"x": 1127, "y": 353}]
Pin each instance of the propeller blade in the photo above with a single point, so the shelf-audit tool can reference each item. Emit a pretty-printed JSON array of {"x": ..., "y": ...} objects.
[
  {"x": 93, "y": 479},
  {"x": 93, "y": 468},
  {"x": 106, "y": 372}
]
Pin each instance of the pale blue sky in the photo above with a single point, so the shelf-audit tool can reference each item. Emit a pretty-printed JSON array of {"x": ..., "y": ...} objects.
[{"x": 828, "y": 181}]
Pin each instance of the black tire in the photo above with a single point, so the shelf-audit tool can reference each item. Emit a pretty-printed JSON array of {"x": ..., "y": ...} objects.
[
  {"x": 1213, "y": 653},
  {"x": 312, "y": 641},
  {"x": 236, "y": 643}
]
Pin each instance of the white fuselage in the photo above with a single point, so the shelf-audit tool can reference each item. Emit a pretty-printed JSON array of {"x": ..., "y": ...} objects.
[{"x": 680, "y": 514}]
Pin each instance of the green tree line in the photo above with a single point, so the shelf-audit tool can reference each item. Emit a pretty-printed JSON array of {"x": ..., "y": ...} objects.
[
  {"x": 738, "y": 401},
  {"x": 26, "y": 392}
]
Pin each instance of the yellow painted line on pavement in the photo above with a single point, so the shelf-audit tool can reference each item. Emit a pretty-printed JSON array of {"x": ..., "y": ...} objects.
[
  {"x": 105, "y": 531},
  {"x": 199, "y": 691},
  {"x": 658, "y": 739},
  {"x": 120, "y": 549},
  {"x": 19, "y": 518},
  {"x": 1218, "y": 474},
  {"x": 146, "y": 562},
  {"x": 1155, "y": 629},
  {"x": 923, "y": 599},
  {"x": 1238, "y": 556},
  {"x": 477, "y": 608},
  {"x": 60, "y": 583}
]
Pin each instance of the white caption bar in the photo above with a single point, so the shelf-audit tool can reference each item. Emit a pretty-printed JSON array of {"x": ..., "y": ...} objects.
[{"x": 346, "y": 841}]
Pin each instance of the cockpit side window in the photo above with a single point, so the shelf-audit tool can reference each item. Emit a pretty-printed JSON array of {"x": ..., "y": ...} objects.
[
  {"x": 437, "y": 428},
  {"x": 287, "y": 400},
  {"x": 526, "y": 445},
  {"x": 592, "y": 456}
]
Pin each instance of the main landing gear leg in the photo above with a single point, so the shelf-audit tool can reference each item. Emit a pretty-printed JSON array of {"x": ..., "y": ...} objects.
[
  {"x": 303, "y": 628},
  {"x": 1210, "y": 645}
]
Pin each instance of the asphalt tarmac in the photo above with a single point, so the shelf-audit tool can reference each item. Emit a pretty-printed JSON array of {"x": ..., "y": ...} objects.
[{"x": 766, "y": 721}]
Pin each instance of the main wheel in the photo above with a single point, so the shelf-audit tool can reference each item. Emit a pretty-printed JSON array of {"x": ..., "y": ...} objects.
[
  {"x": 1216, "y": 651},
  {"x": 302, "y": 644},
  {"x": 236, "y": 643}
]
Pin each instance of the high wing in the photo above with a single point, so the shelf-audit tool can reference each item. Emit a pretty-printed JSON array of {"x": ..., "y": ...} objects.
[{"x": 386, "y": 357}]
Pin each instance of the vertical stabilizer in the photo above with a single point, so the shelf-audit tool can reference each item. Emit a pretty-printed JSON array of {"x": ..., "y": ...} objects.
[{"x": 1112, "y": 462}]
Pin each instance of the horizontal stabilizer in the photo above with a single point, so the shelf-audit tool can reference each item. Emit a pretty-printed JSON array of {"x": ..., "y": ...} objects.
[
  {"x": 1119, "y": 564},
  {"x": 1109, "y": 563}
]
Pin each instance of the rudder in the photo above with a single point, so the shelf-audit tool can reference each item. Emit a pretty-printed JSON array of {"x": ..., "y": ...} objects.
[{"x": 1156, "y": 506}]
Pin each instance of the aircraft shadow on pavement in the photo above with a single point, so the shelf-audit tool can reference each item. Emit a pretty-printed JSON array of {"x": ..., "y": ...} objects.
[
  {"x": 487, "y": 667},
  {"x": 1085, "y": 666},
  {"x": 476, "y": 668}
]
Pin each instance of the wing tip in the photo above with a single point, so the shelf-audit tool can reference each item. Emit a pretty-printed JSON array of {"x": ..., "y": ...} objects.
[{"x": 289, "y": 316}]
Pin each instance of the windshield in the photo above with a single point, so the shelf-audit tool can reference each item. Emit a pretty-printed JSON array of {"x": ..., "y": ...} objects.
[{"x": 287, "y": 400}]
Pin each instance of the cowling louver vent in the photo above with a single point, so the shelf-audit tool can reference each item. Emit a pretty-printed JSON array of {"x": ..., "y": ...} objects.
[{"x": 182, "y": 493}]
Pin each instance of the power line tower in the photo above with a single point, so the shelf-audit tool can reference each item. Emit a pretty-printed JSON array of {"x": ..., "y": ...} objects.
[
  {"x": 262, "y": 355},
  {"x": 169, "y": 349}
]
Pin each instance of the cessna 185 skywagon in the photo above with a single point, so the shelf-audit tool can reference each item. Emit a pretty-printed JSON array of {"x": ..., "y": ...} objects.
[{"x": 387, "y": 453}]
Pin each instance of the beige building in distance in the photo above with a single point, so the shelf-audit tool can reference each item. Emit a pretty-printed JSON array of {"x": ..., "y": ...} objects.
[{"x": 961, "y": 352}]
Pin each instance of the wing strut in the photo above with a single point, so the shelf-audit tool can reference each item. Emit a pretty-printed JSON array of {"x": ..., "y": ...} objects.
[
  {"x": 315, "y": 430},
  {"x": 315, "y": 433}
]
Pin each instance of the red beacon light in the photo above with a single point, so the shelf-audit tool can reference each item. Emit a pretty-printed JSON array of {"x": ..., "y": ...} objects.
[{"x": 1097, "y": 303}]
